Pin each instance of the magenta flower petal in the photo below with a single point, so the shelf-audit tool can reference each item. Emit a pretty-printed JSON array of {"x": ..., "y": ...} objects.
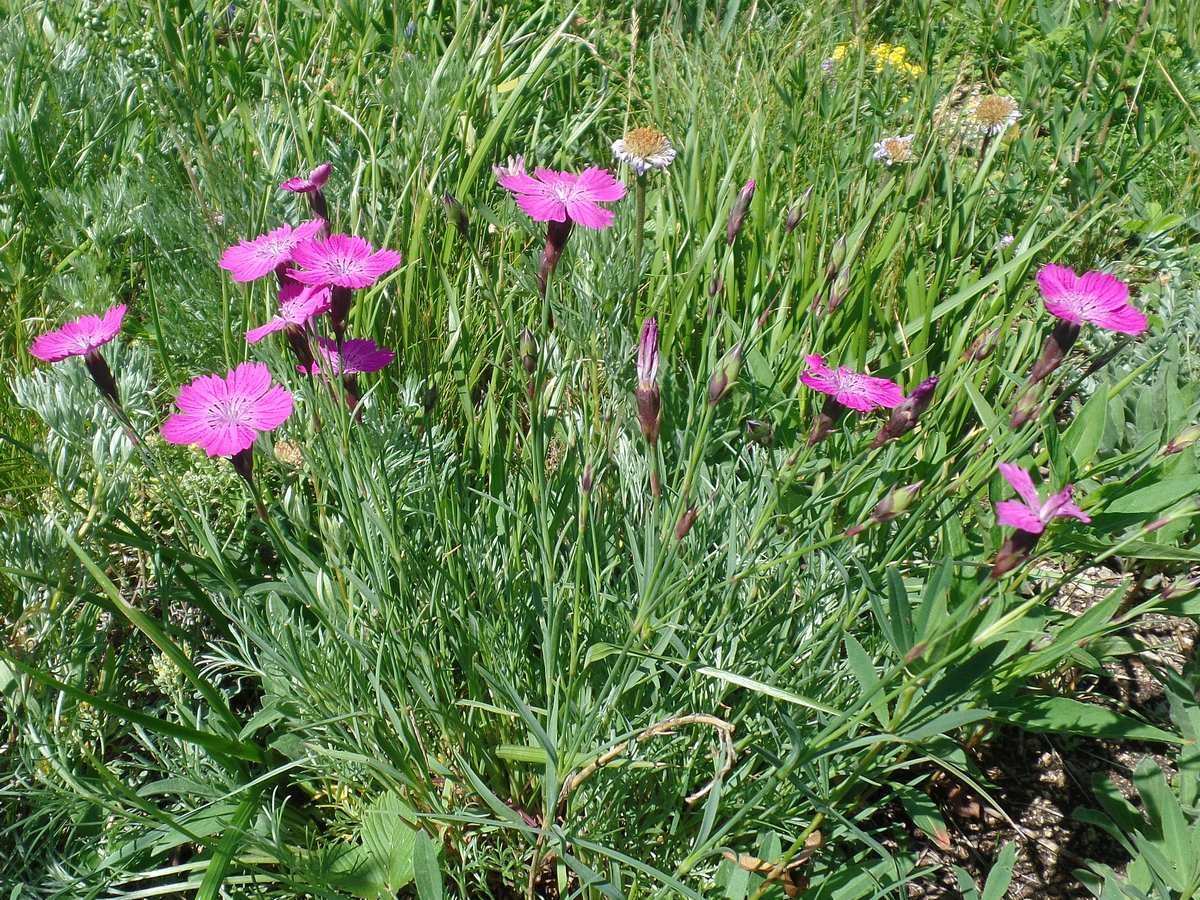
[
  {"x": 1029, "y": 514},
  {"x": 600, "y": 185},
  {"x": 299, "y": 304},
  {"x": 853, "y": 390},
  {"x": 314, "y": 182},
  {"x": 589, "y": 215},
  {"x": 1015, "y": 514},
  {"x": 79, "y": 337},
  {"x": 358, "y": 356},
  {"x": 551, "y": 196},
  {"x": 1096, "y": 297},
  {"x": 1020, "y": 482},
  {"x": 249, "y": 260},
  {"x": 224, "y": 415},
  {"x": 342, "y": 260}
]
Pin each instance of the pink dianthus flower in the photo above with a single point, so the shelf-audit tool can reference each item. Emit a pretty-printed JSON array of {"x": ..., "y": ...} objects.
[
  {"x": 249, "y": 260},
  {"x": 299, "y": 304},
  {"x": 342, "y": 260},
  {"x": 79, "y": 337},
  {"x": 1094, "y": 297},
  {"x": 224, "y": 415},
  {"x": 552, "y": 196},
  {"x": 853, "y": 390}
]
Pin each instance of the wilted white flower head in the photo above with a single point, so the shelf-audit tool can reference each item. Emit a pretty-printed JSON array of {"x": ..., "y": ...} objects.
[
  {"x": 993, "y": 114},
  {"x": 895, "y": 150},
  {"x": 644, "y": 149}
]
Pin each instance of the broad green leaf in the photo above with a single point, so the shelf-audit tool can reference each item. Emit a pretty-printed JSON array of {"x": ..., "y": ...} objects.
[
  {"x": 1000, "y": 877},
  {"x": 924, "y": 814},
  {"x": 427, "y": 875},
  {"x": 1155, "y": 497},
  {"x": 1064, "y": 715},
  {"x": 868, "y": 679},
  {"x": 1082, "y": 437}
]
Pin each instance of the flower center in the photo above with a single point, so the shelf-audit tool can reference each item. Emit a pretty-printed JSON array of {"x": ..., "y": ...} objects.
[
  {"x": 345, "y": 265},
  {"x": 897, "y": 149},
  {"x": 564, "y": 193},
  {"x": 275, "y": 247},
  {"x": 645, "y": 142},
  {"x": 231, "y": 411},
  {"x": 993, "y": 110}
]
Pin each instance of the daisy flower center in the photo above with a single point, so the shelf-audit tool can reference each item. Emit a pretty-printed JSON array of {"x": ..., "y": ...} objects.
[
  {"x": 993, "y": 110},
  {"x": 897, "y": 149},
  {"x": 645, "y": 142}
]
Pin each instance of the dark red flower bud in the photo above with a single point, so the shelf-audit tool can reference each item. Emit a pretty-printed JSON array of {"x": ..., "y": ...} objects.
[
  {"x": 685, "y": 523},
  {"x": 1055, "y": 350},
  {"x": 904, "y": 417},
  {"x": 737, "y": 215}
]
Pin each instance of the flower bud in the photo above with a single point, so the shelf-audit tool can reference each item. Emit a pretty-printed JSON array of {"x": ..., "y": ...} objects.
[
  {"x": 457, "y": 214},
  {"x": 1182, "y": 441},
  {"x": 1027, "y": 408},
  {"x": 837, "y": 256},
  {"x": 795, "y": 215},
  {"x": 1055, "y": 350},
  {"x": 894, "y": 504},
  {"x": 839, "y": 290},
  {"x": 685, "y": 523},
  {"x": 585, "y": 480},
  {"x": 905, "y": 416},
  {"x": 529, "y": 352},
  {"x": 737, "y": 215},
  {"x": 647, "y": 395},
  {"x": 725, "y": 375},
  {"x": 983, "y": 346}
]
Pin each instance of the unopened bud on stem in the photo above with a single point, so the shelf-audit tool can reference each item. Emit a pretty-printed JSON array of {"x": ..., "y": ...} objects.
[
  {"x": 725, "y": 375},
  {"x": 737, "y": 215},
  {"x": 647, "y": 394},
  {"x": 905, "y": 416},
  {"x": 891, "y": 506}
]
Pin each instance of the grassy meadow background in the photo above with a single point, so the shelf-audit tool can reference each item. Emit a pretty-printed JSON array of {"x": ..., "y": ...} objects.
[{"x": 468, "y": 655}]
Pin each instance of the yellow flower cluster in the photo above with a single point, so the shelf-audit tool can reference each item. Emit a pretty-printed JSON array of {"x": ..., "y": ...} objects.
[{"x": 894, "y": 56}]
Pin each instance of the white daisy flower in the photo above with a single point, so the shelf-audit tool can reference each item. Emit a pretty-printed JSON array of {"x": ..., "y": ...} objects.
[
  {"x": 644, "y": 149},
  {"x": 993, "y": 114},
  {"x": 894, "y": 150}
]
